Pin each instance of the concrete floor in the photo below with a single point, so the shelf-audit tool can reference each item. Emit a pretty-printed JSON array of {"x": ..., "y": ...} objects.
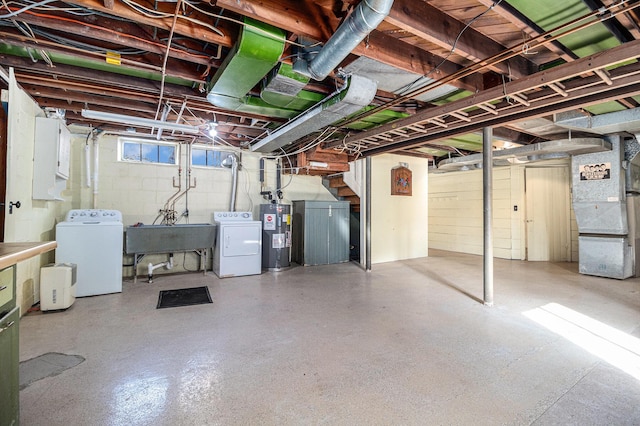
[{"x": 408, "y": 343}]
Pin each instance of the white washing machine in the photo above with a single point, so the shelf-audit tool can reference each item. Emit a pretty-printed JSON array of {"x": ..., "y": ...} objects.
[
  {"x": 92, "y": 239},
  {"x": 238, "y": 248}
]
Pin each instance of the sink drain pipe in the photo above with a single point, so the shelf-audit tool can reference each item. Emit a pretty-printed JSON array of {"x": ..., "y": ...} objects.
[{"x": 167, "y": 265}]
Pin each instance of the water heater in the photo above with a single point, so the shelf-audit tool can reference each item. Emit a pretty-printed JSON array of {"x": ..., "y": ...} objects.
[
  {"x": 276, "y": 236},
  {"x": 57, "y": 286}
]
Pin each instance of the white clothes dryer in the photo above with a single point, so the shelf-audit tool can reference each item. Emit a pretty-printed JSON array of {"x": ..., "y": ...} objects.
[{"x": 238, "y": 248}]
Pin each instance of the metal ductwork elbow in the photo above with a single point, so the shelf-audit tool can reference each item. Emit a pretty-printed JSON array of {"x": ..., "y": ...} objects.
[{"x": 364, "y": 19}]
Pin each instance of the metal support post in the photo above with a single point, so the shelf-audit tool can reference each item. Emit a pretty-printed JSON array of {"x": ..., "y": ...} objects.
[
  {"x": 367, "y": 215},
  {"x": 487, "y": 201}
]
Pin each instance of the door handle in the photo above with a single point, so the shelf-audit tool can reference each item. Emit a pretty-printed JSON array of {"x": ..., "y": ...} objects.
[{"x": 11, "y": 204}]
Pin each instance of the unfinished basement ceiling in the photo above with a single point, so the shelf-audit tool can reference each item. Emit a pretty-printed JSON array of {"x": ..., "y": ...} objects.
[{"x": 443, "y": 70}]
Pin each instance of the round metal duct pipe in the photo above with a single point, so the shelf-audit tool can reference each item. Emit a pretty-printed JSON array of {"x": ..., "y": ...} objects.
[{"x": 364, "y": 19}]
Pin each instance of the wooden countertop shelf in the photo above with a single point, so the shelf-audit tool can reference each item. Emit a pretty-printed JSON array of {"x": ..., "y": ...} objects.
[{"x": 12, "y": 253}]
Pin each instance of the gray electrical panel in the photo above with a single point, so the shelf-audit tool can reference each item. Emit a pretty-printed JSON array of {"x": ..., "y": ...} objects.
[{"x": 320, "y": 232}]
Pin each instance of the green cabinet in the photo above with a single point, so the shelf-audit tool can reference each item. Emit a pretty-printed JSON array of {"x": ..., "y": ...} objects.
[
  {"x": 9, "y": 354},
  {"x": 9, "y": 362},
  {"x": 7, "y": 289}
]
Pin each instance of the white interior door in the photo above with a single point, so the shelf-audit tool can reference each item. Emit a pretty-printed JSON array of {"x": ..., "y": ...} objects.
[{"x": 548, "y": 214}]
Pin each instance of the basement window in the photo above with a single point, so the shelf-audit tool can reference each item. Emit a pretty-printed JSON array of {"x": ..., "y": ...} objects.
[
  {"x": 208, "y": 157},
  {"x": 140, "y": 151}
]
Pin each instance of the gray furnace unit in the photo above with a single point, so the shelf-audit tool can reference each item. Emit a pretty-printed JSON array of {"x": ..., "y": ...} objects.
[
  {"x": 320, "y": 232},
  {"x": 604, "y": 185},
  {"x": 276, "y": 236}
]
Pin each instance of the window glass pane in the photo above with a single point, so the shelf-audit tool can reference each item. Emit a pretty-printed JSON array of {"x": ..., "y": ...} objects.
[
  {"x": 199, "y": 157},
  {"x": 149, "y": 153},
  {"x": 217, "y": 157},
  {"x": 131, "y": 151},
  {"x": 208, "y": 157},
  {"x": 138, "y": 151},
  {"x": 167, "y": 154}
]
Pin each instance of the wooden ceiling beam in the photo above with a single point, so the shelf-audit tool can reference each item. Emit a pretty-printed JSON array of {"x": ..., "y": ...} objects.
[
  {"x": 26, "y": 66},
  {"x": 584, "y": 95},
  {"x": 574, "y": 69},
  {"x": 528, "y": 27},
  {"x": 297, "y": 16},
  {"x": 175, "y": 67},
  {"x": 615, "y": 27},
  {"x": 412, "y": 153},
  {"x": 117, "y": 86},
  {"x": 43, "y": 84},
  {"x": 512, "y": 135},
  {"x": 407, "y": 58},
  {"x": 523, "y": 114},
  {"x": 443, "y": 30},
  {"x": 105, "y": 33},
  {"x": 182, "y": 27},
  {"x": 73, "y": 97}
]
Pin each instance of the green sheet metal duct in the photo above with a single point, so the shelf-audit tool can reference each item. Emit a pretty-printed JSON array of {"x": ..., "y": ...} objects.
[
  {"x": 284, "y": 88},
  {"x": 257, "y": 51}
]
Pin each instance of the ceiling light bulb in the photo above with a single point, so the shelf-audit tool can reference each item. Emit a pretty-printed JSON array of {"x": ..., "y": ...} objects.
[{"x": 212, "y": 130}]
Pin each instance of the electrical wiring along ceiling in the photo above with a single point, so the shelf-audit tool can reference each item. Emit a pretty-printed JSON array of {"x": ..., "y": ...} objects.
[{"x": 442, "y": 70}]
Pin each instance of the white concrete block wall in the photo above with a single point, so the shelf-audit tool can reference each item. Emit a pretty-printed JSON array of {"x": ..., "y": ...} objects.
[
  {"x": 398, "y": 223},
  {"x": 517, "y": 206},
  {"x": 35, "y": 219},
  {"x": 455, "y": 212},
  {"x": 456, "y": 209},
  {"x": 140, "y": 190}
]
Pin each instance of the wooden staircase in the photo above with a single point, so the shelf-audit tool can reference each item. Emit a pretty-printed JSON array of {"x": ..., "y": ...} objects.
[{"x": 344, "y": 192}]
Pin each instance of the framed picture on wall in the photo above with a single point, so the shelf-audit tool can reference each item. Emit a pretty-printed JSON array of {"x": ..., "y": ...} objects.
[{"x": 401, "y": 181}]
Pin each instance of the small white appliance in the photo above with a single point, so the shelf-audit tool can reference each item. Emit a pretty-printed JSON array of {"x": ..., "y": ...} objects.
[
  {"x": 93, "y": 240},
  {"x": 57, "y": 286},
  {"x": 238, "y": 248}
]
